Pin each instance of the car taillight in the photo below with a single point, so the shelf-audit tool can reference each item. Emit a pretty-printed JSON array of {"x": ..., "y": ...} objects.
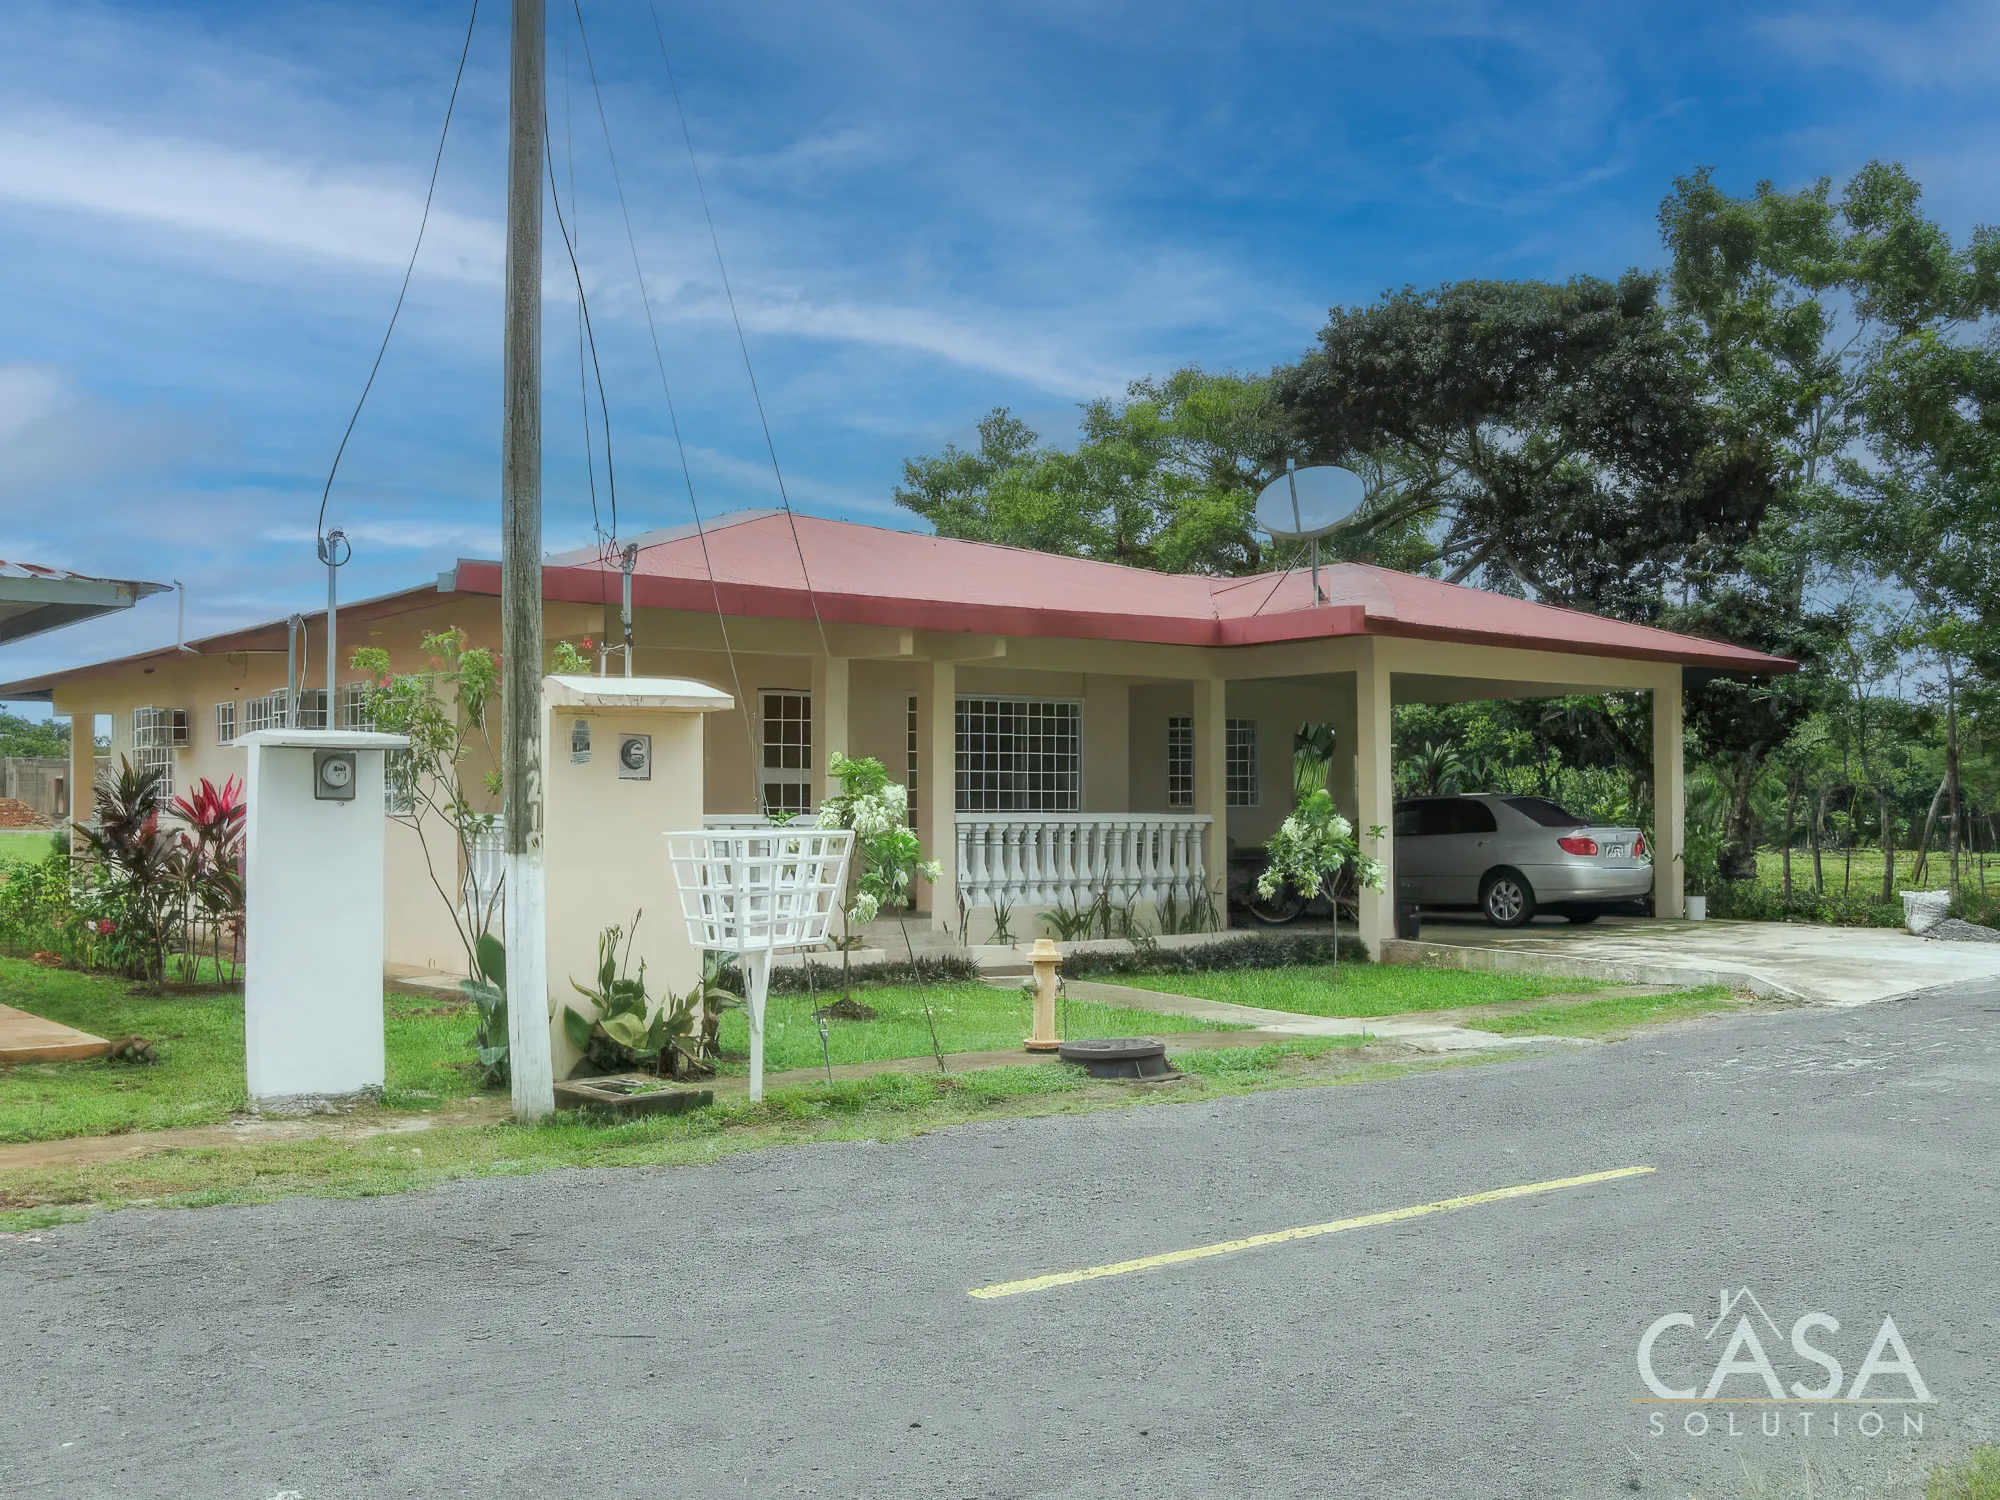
[
  {"x": 1578, "y": 844},
  {"x": 1639, "y": 847}
]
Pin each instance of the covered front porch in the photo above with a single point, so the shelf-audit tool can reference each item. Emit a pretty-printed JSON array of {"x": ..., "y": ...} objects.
[{"x": 1053, "y": 776}]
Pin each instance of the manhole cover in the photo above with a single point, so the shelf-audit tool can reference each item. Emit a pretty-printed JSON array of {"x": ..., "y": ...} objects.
[{"x": 1118, "y": 1056}]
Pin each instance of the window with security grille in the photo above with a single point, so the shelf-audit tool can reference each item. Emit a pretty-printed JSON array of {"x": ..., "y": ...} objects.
[
  {"x": 788, "y": 752},
  {"x": 267, "y": 712},
  {"x": 399, "y": 785},
  {"x": 910, "y": 767},
  {"x": 1240, "y": 762},
  {"x": 225, "y": 723},
  {"x": 1180, "y": 761},
  {"x": 354, "y": 710},
  {"x": 156, "y": 734},
  {"x": 1019, "y": 755},
  {"x": 311, "y": 709}
]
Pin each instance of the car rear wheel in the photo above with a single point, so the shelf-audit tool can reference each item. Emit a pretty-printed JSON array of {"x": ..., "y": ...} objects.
[{"x": 1506, "y": 898}]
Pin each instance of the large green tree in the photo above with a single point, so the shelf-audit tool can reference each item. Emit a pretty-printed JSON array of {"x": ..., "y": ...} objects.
[
  {"x": 1166, "y": 477},
  {"x": 1554, "y": 439}
]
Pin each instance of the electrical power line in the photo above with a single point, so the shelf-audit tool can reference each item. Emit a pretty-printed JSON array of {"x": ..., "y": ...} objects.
[{"x": 437, "y": 161}]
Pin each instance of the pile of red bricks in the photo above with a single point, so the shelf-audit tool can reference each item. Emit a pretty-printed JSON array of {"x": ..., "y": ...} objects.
[{"x": 17, "y": 814}]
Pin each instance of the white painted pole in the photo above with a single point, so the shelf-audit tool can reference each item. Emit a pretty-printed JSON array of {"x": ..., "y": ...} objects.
[
  {"x": 530, "y": 1049},
  {"x": 756, "y": 991}
]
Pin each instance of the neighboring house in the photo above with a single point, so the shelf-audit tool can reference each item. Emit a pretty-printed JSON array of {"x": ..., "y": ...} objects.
[{"x": 1061, "y": 724}]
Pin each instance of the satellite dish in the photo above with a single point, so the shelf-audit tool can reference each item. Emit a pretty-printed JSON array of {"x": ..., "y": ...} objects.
[{"x": 1307, "y": 503}]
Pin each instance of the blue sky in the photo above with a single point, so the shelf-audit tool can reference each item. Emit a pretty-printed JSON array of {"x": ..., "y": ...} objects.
[{"x": 928, "y": 210}]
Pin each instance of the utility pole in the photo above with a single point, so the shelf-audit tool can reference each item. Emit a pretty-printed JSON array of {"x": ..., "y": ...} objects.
[{"x": 529, "y": 1056}]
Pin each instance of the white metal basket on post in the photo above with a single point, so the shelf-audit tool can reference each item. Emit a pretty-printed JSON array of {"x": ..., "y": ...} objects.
[{"x": 757, "y": 892}]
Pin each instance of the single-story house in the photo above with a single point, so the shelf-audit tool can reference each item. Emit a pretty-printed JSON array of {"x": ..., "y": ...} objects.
[{"x": 1063, "y": 726}]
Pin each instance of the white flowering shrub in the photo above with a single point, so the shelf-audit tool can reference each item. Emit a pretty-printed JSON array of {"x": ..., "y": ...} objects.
[
  {"x": 890, "y": 857},
  {"x": 1312, "y": 847}
]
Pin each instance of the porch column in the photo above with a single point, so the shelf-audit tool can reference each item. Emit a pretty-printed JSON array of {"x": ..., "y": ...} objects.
[
  {"x": 937, "y": 768},
  {"x": 82, "y": 771},
  {"x": 1375, "y": 793},
  {"x": 1211, "y": 783},
  {"x": 1669, "y": 800},
  {"x": 829, "y": 711}
]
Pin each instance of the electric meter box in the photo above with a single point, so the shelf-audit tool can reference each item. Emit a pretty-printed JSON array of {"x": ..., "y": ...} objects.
[
  {"x": 602, "y": 816},
  {"x": 313, "y": 892}
]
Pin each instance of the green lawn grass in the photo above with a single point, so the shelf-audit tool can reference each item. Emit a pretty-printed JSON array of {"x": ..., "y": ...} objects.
[
  {"x": 969, "y": 1017},
  {"x": 1614, "y": 1013},
  {"x": 885, "y": 1107},
  {"x": 1359, "y": 989},
  {"x": 19, "y": 848},
  {"x": 198, "y": 1079},
  {"x": 1977, "y": 1478}
]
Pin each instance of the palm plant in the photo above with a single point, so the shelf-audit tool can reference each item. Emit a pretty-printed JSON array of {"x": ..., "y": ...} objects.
[{"x": 138, "y": 869}]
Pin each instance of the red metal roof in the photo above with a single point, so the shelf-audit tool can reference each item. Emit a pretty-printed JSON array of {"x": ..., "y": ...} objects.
[{"x": 870, "y": 575}]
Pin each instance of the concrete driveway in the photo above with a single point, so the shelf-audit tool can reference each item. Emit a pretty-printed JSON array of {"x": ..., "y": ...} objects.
[
  {"x": 1822, "y": 965},
  {"x": 798, "y": 1322}
]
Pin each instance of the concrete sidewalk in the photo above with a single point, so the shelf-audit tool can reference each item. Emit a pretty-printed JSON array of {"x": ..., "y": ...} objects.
[{"x": 1842, "y": 966}]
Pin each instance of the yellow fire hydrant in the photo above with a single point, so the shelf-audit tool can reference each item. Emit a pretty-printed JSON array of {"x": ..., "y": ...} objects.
[{"x": 1046, "y": 960}]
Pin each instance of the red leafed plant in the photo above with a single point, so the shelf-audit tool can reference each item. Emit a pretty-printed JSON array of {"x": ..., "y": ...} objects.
[{"x": 211, "y": 867}]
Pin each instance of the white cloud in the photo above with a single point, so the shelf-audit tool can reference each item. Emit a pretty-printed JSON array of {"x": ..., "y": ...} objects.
[
  {"x": 55, "y": 438},
  {"x": 1954, "y": 46},
  {"x": 277, "y": 202}
]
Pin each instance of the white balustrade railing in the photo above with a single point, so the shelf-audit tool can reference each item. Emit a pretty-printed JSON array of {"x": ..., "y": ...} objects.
[{"x": 1067, "y": 859}]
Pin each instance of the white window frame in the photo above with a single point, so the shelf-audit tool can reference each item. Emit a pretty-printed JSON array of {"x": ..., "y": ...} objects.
[
  {"x": 1180, "y": 760},
  {"x": 156, "y": 734},
  {"x": 1243, "y": 785},
  {"x": 914, "y": 726},
  {"x": 791, "y": 784},
  {"x": 225, "y": 722},
  {"x": 1035, "y": 774},
  {"x": 353, "y": 705},
  {"x": 265, "y": 712}
]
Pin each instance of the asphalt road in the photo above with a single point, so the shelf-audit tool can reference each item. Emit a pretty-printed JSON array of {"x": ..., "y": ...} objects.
[{"x": 797, "y": 1322}]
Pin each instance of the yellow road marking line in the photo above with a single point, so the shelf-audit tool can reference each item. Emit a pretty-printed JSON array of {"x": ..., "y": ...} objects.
[{"x": 1303, "y": 1232}]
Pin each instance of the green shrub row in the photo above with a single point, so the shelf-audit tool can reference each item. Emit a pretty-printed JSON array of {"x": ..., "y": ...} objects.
[
  {"x": 1261, "y": 951},
  {"x": 942, "y": 968}
]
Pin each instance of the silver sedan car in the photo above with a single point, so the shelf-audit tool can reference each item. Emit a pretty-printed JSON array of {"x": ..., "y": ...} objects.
[{"x": 1510, "y": 857}]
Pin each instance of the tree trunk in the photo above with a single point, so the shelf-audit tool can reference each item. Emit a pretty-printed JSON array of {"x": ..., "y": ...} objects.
[
  {"x": 1951, "y": 771},
  {"x": 1817, "y": 834},
  {"x": 1791, "y": 821},
  {"x": 1923, "y": 864},
  {"x": 1886, "y": 824}
]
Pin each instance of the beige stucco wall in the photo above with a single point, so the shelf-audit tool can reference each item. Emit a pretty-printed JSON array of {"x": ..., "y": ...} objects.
[
  {"x": 605, "y": 857},
  {"x": 1127, "y": 688}
]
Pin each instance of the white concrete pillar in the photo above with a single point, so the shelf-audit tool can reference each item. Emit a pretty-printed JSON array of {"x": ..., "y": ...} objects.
[
  {"x": 1211, "y": 783},
  {"x": 1375, "y": 792},
  {"x": 313, "y": 917},
  {"x": 937, "y": 766},
  {"x": 82, "y": 770},
  {"x": 1669, "y": 800},
  {"x": 829, "y": 711}
]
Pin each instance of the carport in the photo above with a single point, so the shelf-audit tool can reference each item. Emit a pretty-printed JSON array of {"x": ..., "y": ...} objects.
[{"x": 1421, "y": 641}]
